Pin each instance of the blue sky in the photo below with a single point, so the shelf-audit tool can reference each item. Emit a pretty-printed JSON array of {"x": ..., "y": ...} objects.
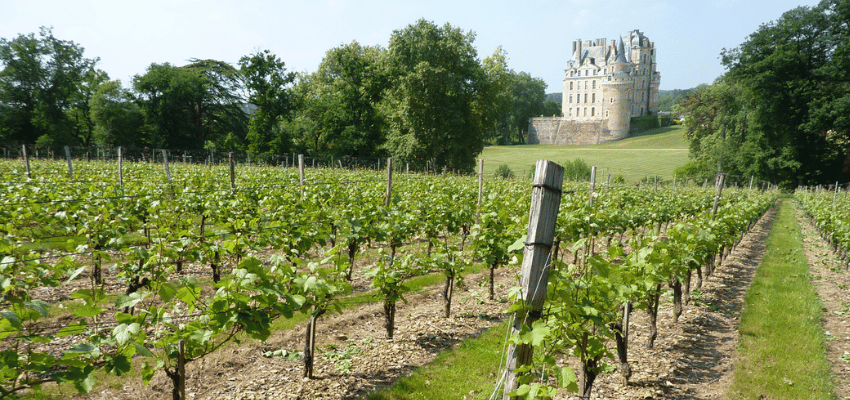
[{"x": 537, "y": 35}]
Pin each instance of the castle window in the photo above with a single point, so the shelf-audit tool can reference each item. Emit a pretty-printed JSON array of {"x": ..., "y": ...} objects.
[
  {"x": 606, "y": 113},
  {"x": 585, "y": 84},
  {"x": 571, "y": 98},
  {"x": 594, "y": 84},
  {"x": 592, "y": 111},
  {"x": 586, "y": 72},
  {"x": 604, "y": 71},
  {"x": 571, "y": 111},
  {"x": 571, "y": 85},
  {"x": 585, "y": 97},
  {"x": 612, "y": 100},
  {"x": 577, "y": 112},
  {"x": 585, "y": 111},
  {"x": 593, "y": 98}
]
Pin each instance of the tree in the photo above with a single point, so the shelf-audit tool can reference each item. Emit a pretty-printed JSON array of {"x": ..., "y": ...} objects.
[
  {"x": 39, "y": 83},
  {"x": 186, "y": 107},
  {"x": 780, "y": 111},
  {"x": 266, "y": 80},
  {"x": 434, "y": 106},
  {"x": 118, "y": 121},
  {"x": 340, "y": 102}
]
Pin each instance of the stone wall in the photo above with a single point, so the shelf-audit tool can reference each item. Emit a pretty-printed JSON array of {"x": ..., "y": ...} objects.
[{"x": 556, "y": 130}]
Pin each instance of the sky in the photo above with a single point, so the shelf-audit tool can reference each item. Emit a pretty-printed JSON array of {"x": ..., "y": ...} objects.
[{"x": 129, "y": 35}]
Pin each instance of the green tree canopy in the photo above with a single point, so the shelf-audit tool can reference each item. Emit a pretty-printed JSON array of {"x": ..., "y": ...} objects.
[
  {"x": 338, "y": 104},
  {"x": 780, "y": 111},
  {"x": 434, "y": 106},
  {"x": 41, "y": 80},
  {"x": 268, "y": 90}
]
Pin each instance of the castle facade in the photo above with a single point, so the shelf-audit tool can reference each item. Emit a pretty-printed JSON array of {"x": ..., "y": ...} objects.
[{"x": 605, "y": 85}]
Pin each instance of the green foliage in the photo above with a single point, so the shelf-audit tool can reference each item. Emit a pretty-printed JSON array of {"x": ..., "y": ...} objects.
[
  {"x": 266, "y": 80},
  {"x": 648, "y": 122},
  {"x": 337, "y": 113},
  {"x": 777, "y": 113},
  {"x": 504, "y": 172},
  {"x": 435, "y": 106},
  {"x": 577, "y": 170},
  {"x": 44, "y": 83}
]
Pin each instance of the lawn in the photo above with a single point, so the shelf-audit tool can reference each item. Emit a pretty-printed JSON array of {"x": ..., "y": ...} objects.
[{"x": 657, "y": 152}]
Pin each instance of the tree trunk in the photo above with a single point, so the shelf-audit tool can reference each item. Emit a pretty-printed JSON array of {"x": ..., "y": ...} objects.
[
  {"x": 686, "y": 286},
  {"x": 352, "y": 250},
  {"x": 310, "y": 344},
  {"x": 676, "y": 285},
  {"x": 448, "y": 290},
  {"x": 652, "y": 313},
  {"x": 389, "y": 312},
  {"x": 216, "y": 267},
  {"x": 698, "y": 283},
  {"x": 493, "y": 267},
  {"x": 621, "y": 332}
]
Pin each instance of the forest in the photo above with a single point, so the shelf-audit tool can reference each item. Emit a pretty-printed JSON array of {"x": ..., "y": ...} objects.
[
  {"x": 781, "y": 111},
  {"x": 425, "y": 98}
]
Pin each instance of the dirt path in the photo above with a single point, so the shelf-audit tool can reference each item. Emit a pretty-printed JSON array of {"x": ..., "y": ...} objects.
[{"x": 831, "y": 279}]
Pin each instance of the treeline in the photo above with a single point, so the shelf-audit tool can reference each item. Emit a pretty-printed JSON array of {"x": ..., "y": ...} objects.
[
  {"x": 426, "y": 98},
  {"x": 781, "y": 112}
]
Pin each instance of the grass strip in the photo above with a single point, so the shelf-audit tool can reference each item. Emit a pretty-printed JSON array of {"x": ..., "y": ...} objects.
[
  {"x": 781, "y": 346},
  {"x": 468, "y": 371}
]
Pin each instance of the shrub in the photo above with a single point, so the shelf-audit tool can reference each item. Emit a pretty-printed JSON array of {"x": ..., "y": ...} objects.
[
  {"x": 577, "y": 170},
  {"x": 504, "y": 172}
]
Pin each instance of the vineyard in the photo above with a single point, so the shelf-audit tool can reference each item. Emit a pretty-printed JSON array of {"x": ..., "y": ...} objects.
[{"x": 143, "y": 272}]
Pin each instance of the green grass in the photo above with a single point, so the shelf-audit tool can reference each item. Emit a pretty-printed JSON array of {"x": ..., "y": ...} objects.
[
  {"x": 657, "y": 152},
  {"x": 469, "y": 372},
  {"x": 782, "y": 351}
]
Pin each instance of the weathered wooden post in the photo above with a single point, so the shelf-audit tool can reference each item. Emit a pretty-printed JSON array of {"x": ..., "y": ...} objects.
[
  {"x": 592, "y": 184},
  {"x": 70, "y": 167},
  {"x": 545, "y": 200},
  {"x": 480, "y": 187},
  {"x": 120, "y": 165},
  {"x": 389, "y": 181},
  {"x": 167, "y": 173},
  {"x": 301, "y": 172},
  {"x": 26, "y": 160},
  {"x": 232, "y": 171},
  {"x": 718, "y": 184}
]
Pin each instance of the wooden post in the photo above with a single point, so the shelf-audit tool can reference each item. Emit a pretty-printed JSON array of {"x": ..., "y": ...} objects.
[
  {"x": 301, "y": 172},
  {"x": 656, "y": 183},
  {"x": 545, "y": 200},
  {"x": 835, "y": 193},
  {"x": 480, "y": 188},
  {"x": 232, "y": 171},
  {"x": 70, "y": 167},
  {"x": 389, "y": 181},
  {"x": 592, "y": 184},
  {"x": 181, "y": 369},
  {"x": 608, "y": 185},
  {"x": 120, "y": 164},
  {"x": 167, "y": 173},
  {"x": 26, "y": 160},
  {"x": 718, "y": 184},
  {"x": 407, "y": 168}
]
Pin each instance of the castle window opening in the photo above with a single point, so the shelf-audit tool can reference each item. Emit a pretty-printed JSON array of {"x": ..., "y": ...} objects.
[
  {"x": 585, "y": 97},
  {"x": 585, "y": 111},
  {"x": 606, "y": 113},
  {"x": 571, "y": 98},
  {"x": 593, "y": 98},
  {"x": 592, "y": 111},
  {"x": 571, "y": 111},
  {"x": 594, "y": 84},
  {"x": 585, "y": 84},
  {"x": 571, "y": 85}
]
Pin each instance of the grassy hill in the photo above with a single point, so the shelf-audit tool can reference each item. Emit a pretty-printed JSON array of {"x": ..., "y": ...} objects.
[{"x": 657, "y": 152}]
